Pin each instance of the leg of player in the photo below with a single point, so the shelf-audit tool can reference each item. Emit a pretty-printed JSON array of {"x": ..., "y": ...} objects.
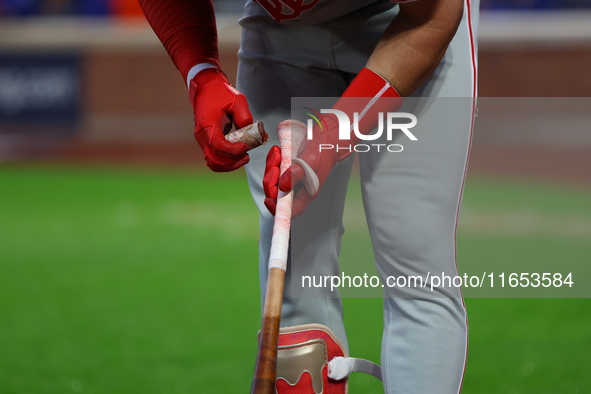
[
  {"x": 269, "y": 79},
  {"x": 412, "y": 202}
]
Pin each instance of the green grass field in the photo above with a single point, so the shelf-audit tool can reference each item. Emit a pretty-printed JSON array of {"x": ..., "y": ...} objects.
[{"x": 121, "y": 281}]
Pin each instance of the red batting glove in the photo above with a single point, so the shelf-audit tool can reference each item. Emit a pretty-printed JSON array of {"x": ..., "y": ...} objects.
[
  {"x": 313, "y": 165},
  {"x": 271, "y": 178},
  {"x": 318, "y": 166},
  {"x": 216, "y": 105}
]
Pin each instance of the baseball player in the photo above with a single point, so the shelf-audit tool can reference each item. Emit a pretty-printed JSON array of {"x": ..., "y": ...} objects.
[{"x": 369, "y": 49}]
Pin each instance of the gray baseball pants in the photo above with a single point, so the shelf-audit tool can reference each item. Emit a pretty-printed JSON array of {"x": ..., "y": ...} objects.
[{"x": 411, "y": 199}]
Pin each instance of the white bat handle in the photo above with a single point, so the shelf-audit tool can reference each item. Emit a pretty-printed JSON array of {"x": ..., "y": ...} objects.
[{"x": 291, "y": 134}]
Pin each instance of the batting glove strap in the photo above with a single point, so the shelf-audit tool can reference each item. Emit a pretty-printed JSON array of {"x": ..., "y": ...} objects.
[{"x": 341, "y": 367}]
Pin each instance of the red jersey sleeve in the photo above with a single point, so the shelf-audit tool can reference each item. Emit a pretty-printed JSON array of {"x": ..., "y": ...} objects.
[{"x": 186, "y": 28}]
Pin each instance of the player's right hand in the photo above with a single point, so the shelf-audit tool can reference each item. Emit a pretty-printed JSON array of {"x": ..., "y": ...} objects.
[
  {"x": 216, "y": 106},
  {"x": 311, "y": 168},
  {"x": 368, "y": 94}
]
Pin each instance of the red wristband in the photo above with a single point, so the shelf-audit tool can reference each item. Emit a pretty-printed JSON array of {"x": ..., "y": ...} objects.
[
  {"x": 368, "y": 95},
  {"x": 370, "y": 84}
]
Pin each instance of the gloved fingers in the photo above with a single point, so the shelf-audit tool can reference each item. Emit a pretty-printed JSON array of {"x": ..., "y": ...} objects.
[
  {"x": 271, "y": 178},
  {"x": 291, "y": 177},
  {"x": 222, "y": 163},
  {"x": 301, "y": 200},
  {"x": 239, "y": 110},
  {"x": 270, "y": 181},
  {"x": 225, "y": 124},
  {"x": 232, "y": 149},
  {"x": 273, "y": 158},
  {"x": 271, "y": 205},
  {"x": 212, "y": 137},
  {"x": 272, "y": 170}
]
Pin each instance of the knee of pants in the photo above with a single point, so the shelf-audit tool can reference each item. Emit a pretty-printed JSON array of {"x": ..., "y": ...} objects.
[
  {"x": 413, "y": 242},
  {"x": 413, "y": 252}
]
